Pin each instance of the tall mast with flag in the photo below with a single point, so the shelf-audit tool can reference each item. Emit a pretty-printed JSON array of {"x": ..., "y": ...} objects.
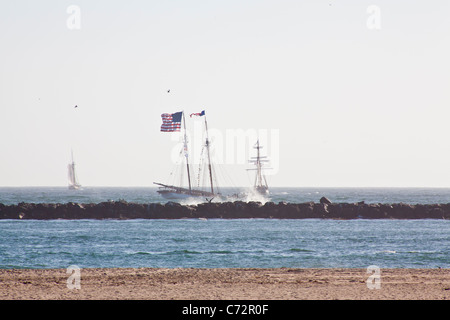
[
  {"x": 172, "y": 123},
  {"x": 186, "y": 154},
  {"x": 203, "y": 114}
]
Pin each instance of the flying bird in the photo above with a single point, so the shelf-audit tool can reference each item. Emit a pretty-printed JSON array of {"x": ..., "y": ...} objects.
[
  {"x": 168, "y": 91},
  {"x": 76, "y": 107}
]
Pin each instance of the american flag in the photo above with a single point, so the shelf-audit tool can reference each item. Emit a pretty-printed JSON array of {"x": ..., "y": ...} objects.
[
  {"x": 171, "y": 122},
  {"x": 197, "y": 114}
]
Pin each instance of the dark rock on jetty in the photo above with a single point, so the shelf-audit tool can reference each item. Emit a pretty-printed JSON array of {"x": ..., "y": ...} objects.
[{"x": 224, "y": 210}]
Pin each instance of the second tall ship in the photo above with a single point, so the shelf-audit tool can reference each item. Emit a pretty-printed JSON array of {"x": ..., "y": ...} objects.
[{"x": 260, "y": 186}]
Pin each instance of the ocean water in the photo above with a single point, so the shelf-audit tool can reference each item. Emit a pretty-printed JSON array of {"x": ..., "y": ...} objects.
[
  {"x": 257, "y": 243},
  {"x": 215, "y": 243},
  {"x": 11, "y": 195}
]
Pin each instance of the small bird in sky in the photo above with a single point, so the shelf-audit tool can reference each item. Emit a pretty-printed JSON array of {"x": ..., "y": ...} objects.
[
  {"x": 168, "y": 91},
  {"x": 76, "y": 107}
]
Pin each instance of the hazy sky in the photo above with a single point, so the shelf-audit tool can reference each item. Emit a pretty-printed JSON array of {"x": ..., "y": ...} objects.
[{"x": 343, "y": 92}]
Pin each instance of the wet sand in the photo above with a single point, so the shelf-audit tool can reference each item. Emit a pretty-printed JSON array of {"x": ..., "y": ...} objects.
[{"x": 225, "y": 284}]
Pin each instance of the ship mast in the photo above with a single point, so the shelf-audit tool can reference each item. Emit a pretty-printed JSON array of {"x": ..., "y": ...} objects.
[
  {"x": 186, "y": 154},
  {"x": 260, "y": 179},
  {"x": 209, "y": 157},
  {"x": 258, "y": 165}
]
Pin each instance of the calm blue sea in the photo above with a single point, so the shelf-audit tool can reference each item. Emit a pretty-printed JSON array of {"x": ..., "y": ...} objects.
[{"x": 260, "y": 243}]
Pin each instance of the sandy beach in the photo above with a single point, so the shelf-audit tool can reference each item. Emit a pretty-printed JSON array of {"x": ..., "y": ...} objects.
[{"x": 224, "y": 284}]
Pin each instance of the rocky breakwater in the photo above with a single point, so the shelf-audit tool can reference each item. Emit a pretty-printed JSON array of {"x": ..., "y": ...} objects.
[{"x": 325, "y": 209}]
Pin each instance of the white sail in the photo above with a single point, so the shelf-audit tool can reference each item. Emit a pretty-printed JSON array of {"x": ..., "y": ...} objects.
[{"x": 73, "y": 183}]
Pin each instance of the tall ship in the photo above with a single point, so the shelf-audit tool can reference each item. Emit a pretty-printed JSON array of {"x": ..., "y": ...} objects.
[
  {"x": 73, "y": 181},
  {"x": 260, "y": 185},
  {"x": 172, "y": 123}
]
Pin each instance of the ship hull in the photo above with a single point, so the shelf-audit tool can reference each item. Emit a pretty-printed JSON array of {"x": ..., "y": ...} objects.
[
  {"x": 172, "y": 192},
  {"x": 262, "y": 190}
]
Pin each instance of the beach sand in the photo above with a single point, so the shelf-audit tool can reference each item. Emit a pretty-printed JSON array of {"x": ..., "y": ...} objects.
[{"x": 225, "y": 284}]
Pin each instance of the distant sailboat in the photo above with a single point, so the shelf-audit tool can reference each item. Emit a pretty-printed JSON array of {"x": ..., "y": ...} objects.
[
  {"x": 172, "y": 123},
  {"x": 260, "y": 186},
  {"x": 73, "y": 181}
]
